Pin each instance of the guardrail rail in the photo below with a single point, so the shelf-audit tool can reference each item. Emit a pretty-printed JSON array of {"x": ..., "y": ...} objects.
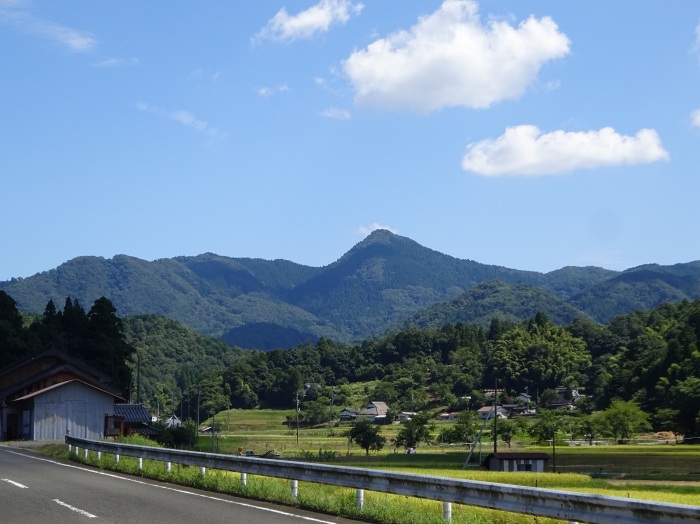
[{"x": 563, "y": 505}]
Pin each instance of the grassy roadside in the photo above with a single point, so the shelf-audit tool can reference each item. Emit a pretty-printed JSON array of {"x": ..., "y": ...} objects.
[{"x": 381, "y": 507}]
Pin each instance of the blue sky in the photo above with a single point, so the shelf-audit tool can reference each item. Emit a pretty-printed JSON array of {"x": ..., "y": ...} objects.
[{"x": 528, "y": 134}]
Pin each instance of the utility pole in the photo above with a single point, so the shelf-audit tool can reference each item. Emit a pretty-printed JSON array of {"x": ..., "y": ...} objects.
[
  {"x": 495, "y": 416},
  {"x": 213, "y": 430},
  {"x": 138, "y": 379},
  {"x": 297, "y": 417},
  {"x": 197, "y": 409}
]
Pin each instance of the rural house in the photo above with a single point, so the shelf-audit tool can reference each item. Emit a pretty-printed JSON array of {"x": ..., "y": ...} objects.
[
  {"x": 50, "y": 394},
  {"x": 375, "y": 412},
  {"x": 135, "y": 419},
  {"x": 486, "y": 412},
  {"x": 348, "y": 415},
  {"x": 404, "y": 416}
]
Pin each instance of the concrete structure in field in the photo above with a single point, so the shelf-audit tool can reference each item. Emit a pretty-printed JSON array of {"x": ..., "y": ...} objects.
[{"x": 51, "y": 394}]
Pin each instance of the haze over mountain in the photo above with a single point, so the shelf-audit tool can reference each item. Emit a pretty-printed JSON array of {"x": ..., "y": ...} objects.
[{"x": 385, "y": 280}]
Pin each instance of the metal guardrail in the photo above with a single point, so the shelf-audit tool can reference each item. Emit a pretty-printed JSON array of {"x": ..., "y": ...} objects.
[{"x": 563, "y": 505}]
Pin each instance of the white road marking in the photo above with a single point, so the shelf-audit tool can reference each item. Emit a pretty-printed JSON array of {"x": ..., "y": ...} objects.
[
  {"x": 184, "y": 492},
  {"x": 15, "y": 483},
  {"x": 77, "y": 510}
]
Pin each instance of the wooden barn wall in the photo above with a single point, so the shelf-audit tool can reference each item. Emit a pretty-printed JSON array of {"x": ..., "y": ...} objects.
[{"x": 75, "y": 407}]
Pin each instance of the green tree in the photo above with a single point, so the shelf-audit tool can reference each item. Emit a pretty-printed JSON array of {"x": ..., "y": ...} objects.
[
  {"x": 215, "y": 394},
  {"x": 106, "y": 348},
  {"x": 465, "y": 429},
  {"x": 623, "y": 419},
  {"x": 12, "y": 345},
  {"x": 506, "y": 430},
  {"x": 541, "y": 355},
  {"x": 545, "y": 426},
  {"x": 243, "y": 396},
  {"x": 414, "y": 431},
  {"x": 366, "y": 435}
]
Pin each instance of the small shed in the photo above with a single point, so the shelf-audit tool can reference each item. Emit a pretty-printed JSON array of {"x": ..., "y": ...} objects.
[{"x": 536, "y": 462}]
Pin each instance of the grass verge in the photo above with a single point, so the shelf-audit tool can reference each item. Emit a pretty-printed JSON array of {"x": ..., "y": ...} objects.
[{"x": 378, "y": 507}]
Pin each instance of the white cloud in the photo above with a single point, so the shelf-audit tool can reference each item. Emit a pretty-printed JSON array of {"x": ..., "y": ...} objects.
[
  {"x": 336, "y": 113},
  {"x": 266, "y": 91},
  {"x": 118, "y": 62},
  {"x": 284, "y": 27},
  {"x": 451, "y": 58},
  {"x": 695, "y": 118},
  {"x": 182, "y": 117},
  {"x": 366, "y": 230},
  {"x": 17, "y": 14},
  {"x": 524, "y": 150}
]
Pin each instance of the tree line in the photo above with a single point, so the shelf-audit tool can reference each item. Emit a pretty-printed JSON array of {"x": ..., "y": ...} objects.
[
  {"x": 650, "y": 358},
  {"x": 95, "y": 337}
]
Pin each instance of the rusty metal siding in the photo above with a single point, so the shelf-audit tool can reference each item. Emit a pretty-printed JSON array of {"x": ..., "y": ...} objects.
[{"x": 76, "y": 408}]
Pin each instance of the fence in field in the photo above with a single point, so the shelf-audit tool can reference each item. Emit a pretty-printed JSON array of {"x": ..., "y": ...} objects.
[{"x": 567, "y": 506}]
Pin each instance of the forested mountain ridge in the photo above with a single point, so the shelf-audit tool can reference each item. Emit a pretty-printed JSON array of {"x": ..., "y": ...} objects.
[
  {"x": 495, "y": 299},
  {"x": 380, "y": 282}
]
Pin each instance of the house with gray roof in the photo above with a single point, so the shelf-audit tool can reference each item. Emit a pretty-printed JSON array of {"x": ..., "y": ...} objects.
[{"x": 375, "y": 411}]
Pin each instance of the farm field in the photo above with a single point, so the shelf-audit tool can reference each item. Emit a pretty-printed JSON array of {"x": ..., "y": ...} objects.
[
  {"x": 670, "y": 465},
  {"x": 262, "y": 431}
]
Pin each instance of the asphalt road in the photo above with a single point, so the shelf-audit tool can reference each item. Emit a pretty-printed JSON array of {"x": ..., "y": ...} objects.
[{"x": 37, "y": 489}]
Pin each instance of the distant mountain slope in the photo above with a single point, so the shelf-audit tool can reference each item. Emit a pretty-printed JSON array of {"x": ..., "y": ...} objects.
[
  {"x": 387, "y": 277},
  {"x": 640, "y": 288},
  {"x": 380, "y": 282},
  {"x": 493, "y": 298}
]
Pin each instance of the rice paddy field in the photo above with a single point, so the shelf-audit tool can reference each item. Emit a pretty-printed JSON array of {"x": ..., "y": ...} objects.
[
  {"x": 660, "y": 472},
  {"x": 275, "y": 430}
]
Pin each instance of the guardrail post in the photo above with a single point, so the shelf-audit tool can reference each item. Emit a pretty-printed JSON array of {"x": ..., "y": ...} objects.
[
  {"x": 116, "y": 458},
  {"x": 359, "y": 498},
  {"x": 77, "y": 450},
  {"x": 295, "y": 488},
  {"x": 85, "y": 453},
  {"x": 140, "y": 463},
  {"x": 447, "y": 511},
  {"x": 244, "y": 479},
  {"x": 99, "y": 455},
  {"x": 203, "y": 470},
  {"x": 168, "y": 467},
  {"x": 70, "y": 448}
]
